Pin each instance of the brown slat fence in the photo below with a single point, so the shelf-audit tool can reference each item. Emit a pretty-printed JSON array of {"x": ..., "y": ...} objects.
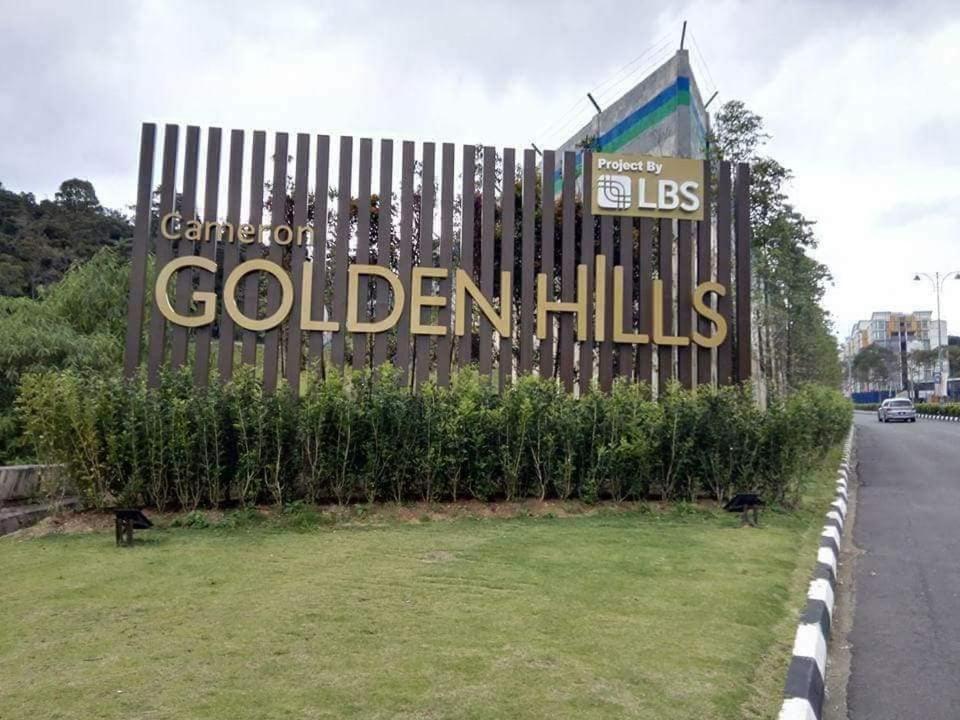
[{"x": 479, "y": 210}]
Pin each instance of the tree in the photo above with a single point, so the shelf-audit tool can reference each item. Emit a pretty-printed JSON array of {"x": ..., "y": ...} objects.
[
  {"x": 39, "y": 242},
  {"x": 77, "y": 194},
  {"x": 76, "y": 323},
  {"x": 795, "y": 343},
  {"x": 953, "y": 358},
  {"x": 926, "y": 360},
  {"x": 874, "y": 365}
]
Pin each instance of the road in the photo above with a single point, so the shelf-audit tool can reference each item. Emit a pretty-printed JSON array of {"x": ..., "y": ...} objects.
[{"x": 906, "y": 620}]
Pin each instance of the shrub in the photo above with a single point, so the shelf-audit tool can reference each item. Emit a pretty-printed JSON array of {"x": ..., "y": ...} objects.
[
  {"x": 194, "y": 519},
  {"x": 627, "y": 452},
  {"x": 728, "y": 441},
  {"x": 366, "y": 437},
  {"x": 940, "y": 409},
  {"x": 264, "y": 430},
  {"x": 389, "y": 422},
  {"x": 476, "y": 465},
  {"x": 77, "y": 323},
  {"x": 327, "y": 435},
  {"x": 677, "y": 442}
]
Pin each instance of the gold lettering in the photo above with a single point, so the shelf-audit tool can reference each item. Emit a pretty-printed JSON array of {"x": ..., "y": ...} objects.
[
  {"x": 248, "y": 233},
  {"x": 306, "y": 304},
  {"x": 701, "y": 308},
  {"x": 353, "y": 323},
  {"x": 207, "y": 299},
  {"x": 579, "y": 307},
  {"x": 167, "y": 222},
  {"x": 619, "y": 335},
  {"x": 209, "y": 230},
  {"x": 418, "y": 300},
  {"x": 287, "y": 232},
  {"x": 658, "y": 337},
  {"x": 230, "y": 295},
  {"x": 227, "y": 232},
  {"x": 194, "y": 228},
  {"x": 501, "y": 322},
  {"x": 304, "y": 232}
]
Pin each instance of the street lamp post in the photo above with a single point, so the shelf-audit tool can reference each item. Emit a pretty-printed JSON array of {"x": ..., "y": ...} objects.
[{"x": 937, "y": 280}]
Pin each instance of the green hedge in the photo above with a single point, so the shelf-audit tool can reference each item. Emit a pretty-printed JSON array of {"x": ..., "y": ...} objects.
[
  {"x": 947, "y": 410},
  {"x": 362, "y": 437}
]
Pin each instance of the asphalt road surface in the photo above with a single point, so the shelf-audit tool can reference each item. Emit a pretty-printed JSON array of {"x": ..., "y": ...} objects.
[{"x": 906, "y": 621}]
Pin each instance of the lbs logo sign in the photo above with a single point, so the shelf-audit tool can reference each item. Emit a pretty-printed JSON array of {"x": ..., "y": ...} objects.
[{"x": 646, "y": 186}]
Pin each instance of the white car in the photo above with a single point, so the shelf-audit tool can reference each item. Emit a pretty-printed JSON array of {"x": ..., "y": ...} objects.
[{"x": 896, "y": 410}]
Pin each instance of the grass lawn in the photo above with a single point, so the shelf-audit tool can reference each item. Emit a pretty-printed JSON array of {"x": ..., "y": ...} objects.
[{"x": 610, "y": 615}]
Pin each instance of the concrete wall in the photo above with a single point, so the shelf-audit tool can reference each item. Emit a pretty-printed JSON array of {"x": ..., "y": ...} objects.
[
  {"x": 24, "y": 495},
  {"x": 22, "y": 482}
]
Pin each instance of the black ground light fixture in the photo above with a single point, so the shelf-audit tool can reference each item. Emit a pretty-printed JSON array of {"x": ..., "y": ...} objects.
[
  {"x": 743, "y": 503},
  {"x": 127, "y": 520}
]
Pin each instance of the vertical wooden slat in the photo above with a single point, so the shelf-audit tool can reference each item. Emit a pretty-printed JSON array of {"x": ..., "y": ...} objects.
[
  {"x": 278, "y": 216},
  {"x": 704, "y": 258},
  {"x": 608, "y": 350},
  {"x": 359, "y": 340},
  {"x": 625, "y": 351},
  {"x": 665, "y": 352},
  {"x": 465, "y": 343},
  {"x": 588, "y": 251},
  {"x": 231, "y": 252},
  {"x": 251, "y": 283},
  {"x": 141, "y": 241},
  {"x": 487, "y": 252},
  {"x": 605, "y": 369},
  {"x": 341, "y": 250},
  {"x": 444, "y": 342},
  {"x": 643, "y": 294},
  {"x": 384, "y": 249},
  {"x": 316, "y": 340},
  {"x": 742, "y": 229},
  {"x": 184, "y": 281},
  {"x": 527, "y": 268},
  {"x": 422, "y": 360},
  {"x": 568, "y": 266},
  {"x": 208, "y": 250},
  {"x": 547, "y": 254},
  {"x": 507, "y": 210},
  {"x": 724, "y": 274},
  {"x": 298, "y": 254},
  {"x": 402, "y": 359},
  {"x": 684, "y": 299},
  {"x": 163, "y": 251}
]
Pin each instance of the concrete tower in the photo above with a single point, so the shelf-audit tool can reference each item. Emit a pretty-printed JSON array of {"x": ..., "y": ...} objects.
[{"x": 663, "y": 114}]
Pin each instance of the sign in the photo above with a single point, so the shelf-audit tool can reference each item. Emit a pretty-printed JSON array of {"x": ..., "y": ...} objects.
[
  {"x": 174, "y": 228},
  {"x": 453, "y": 272},
  {"x": 647, "y": 186},
  {"x": 411, "y": 300}
]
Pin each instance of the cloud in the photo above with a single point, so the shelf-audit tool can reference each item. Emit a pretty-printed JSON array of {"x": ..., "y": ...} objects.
[{"x": 861, "y": 99}]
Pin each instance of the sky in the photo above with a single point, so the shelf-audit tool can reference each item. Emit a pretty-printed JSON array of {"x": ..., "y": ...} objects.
[{"x": 861, "y": 99}]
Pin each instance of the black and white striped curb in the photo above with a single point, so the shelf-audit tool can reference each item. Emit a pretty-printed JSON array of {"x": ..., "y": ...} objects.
[
  {"x": 803, "y": 693},
  {"x": 922, "y": 416},
  {"x": 945, "y": 418}
]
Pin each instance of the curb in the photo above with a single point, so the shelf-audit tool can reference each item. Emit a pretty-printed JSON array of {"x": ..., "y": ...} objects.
[
  {"x": 942, "y": 418},
  {"x": 804, "y": 689}
]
